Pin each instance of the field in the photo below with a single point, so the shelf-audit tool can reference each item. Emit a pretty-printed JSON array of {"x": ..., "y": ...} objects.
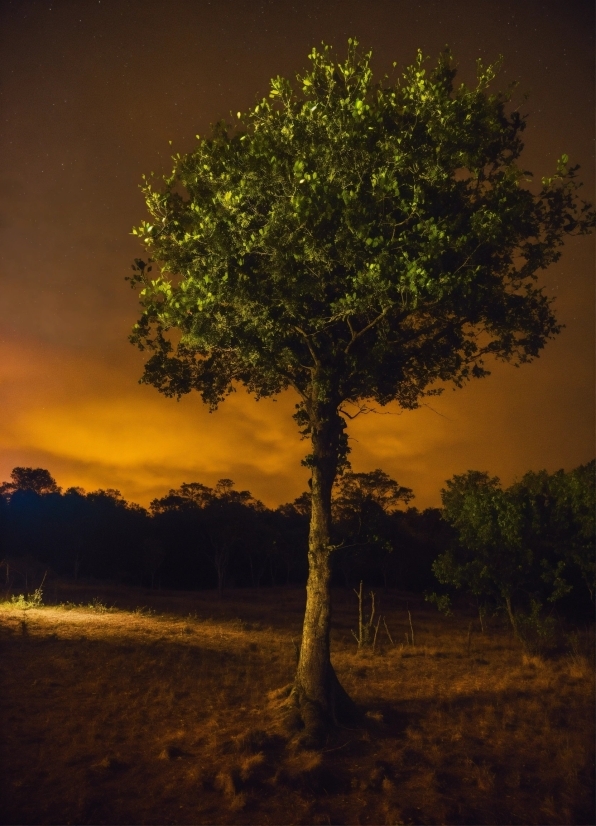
[{"x": 129, "y": 707}]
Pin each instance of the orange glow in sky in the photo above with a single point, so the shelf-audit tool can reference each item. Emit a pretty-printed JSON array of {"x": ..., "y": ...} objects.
[{"x": 74, "y": 147}]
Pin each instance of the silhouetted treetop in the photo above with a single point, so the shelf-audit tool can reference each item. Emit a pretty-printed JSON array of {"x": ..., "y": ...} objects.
[
  {"x": 37, "y": 479},
  {"x": 197, "y": 495}
]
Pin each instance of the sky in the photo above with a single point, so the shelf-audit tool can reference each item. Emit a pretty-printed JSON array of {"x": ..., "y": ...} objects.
[{"x": 91, "y": 93}]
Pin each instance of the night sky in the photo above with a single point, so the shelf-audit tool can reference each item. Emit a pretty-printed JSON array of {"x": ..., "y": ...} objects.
[{"x": 92, "y": 91}]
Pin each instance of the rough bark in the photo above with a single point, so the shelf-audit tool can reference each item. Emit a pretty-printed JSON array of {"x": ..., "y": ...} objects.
[{"x": 317, "y": 691}]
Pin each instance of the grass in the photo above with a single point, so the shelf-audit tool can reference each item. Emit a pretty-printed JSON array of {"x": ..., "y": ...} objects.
[{"x": 124, "y": 707}]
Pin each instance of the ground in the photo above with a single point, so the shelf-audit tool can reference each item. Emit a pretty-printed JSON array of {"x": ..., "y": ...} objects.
[{"x": 123, "y": 706}]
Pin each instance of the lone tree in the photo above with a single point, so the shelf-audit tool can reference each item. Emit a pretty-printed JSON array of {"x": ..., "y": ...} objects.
[{"x": 358, "y": 243}]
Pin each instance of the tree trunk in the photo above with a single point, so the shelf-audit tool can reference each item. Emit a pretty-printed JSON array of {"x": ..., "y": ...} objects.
[
  {"x": 272, "y": 573},
  {"x": 513, "y": 621},
  {"x": 317, "y": 691}
]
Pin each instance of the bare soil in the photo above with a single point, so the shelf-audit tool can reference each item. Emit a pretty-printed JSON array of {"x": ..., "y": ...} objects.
[{"x": 130, "y": 707}]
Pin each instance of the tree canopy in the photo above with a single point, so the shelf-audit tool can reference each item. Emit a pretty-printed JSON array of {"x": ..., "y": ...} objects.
[
  {"x": 382, "y": 235},
  {"x": 38, "y": 480}
]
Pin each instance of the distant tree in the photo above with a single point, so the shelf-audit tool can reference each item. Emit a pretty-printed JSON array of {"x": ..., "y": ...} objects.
[
  {"x": 356, "y": 242},
  {"x": 229, "y": 519},
  {"x": 293, "y": 519},
  {"x": 153, "y": 557},
  {"x": 521, "y": 547},
  {"x": 38, "y": 480},
  {"x": 109, "y": 535},
  {"x": 361, "y": 505},
  {"x": 576, "y": 511},
  {"x": 417, "y": 537},
  {"x": 489, "y": 558},
  {"x": 559, "y": 517},
  {"x": 223, "y": 516},
  {"x": 3, "y": 524},
  {"x": 30, "y": 496},
  {"x": 188, "y": 495},
  {"x": 77, "y": 531},
  {"x": 177, "y": 525}
]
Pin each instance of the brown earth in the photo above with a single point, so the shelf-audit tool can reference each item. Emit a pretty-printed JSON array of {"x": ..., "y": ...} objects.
[{"x": 170, "y": 714}]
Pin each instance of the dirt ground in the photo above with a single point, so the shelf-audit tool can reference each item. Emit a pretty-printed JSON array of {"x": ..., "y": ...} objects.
[{"x": 129, "y": 707}]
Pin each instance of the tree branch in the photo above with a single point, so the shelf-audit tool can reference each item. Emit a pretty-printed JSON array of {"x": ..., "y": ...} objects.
[
  {"x": 306, "y": 338},
  {"x": 360, "y": 333}
]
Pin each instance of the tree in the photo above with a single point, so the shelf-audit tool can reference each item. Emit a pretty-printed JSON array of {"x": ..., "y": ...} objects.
[
  {"x": 361, "y": 506},
  {"x": 38, "y": 480},
  {"x": 357, "y": 243},
  {"x": 560, "y": 511},
  {"x": 576, "y": 513},
  {"x": 490, "y": 558},
  {"x": 523, "y": 547},
  {"x": 225, "y": 517}
]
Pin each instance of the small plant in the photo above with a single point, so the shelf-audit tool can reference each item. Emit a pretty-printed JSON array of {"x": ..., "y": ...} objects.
[
  {"x": 143, "y": 611},
  {"x": 579, "y": 656},
  {"x": 536, "y": 631},
  {"x": 20, "y": 601},
  {"x": 442, "y": 601},
  {"x": 574, "y": 645},
  {"x": 97, "y": 605},
  {"x": 35, "y": 600}
]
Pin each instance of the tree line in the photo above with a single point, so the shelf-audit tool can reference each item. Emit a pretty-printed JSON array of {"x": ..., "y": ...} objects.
[
  {"x": 515, "y": 548},
  {"x": 198, "y": 536}
]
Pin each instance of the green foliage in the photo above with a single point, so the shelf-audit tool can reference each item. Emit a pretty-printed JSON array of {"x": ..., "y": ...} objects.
[
  {"x": 559, "y": 513},
  {"x": 490, "y": 559},
  {"x": 522, "y": 547},
  {"x": 442, "y": 601},
  {"x": 99, "y": 607},
  {"x": 34, "y": 600},
  {"x": 537, "y": 630},
  {"x": 351, "y": 240}
]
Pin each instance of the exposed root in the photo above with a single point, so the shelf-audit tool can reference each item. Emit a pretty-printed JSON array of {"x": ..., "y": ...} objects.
[{"x": 308, "y": 721}]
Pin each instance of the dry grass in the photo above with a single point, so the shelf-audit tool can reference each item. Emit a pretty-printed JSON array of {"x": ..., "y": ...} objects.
[{"x": 131, "y": 717}]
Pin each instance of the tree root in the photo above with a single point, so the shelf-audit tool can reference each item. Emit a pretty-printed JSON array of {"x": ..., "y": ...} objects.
[{"x": 309, "y": 721}]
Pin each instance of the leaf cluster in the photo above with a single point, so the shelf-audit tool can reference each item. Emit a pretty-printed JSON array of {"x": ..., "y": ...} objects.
[{"x": 351, "y": 240}]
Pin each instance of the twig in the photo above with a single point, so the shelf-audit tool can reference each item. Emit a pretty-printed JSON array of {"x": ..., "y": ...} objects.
[
  {"x": 411, "y": 626},
  {"x": 376, "y": 632},
  {"x": 387, "y": 630},
  {"x": 337, "y": 748},
  {"x": 359, "y": 595}
]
